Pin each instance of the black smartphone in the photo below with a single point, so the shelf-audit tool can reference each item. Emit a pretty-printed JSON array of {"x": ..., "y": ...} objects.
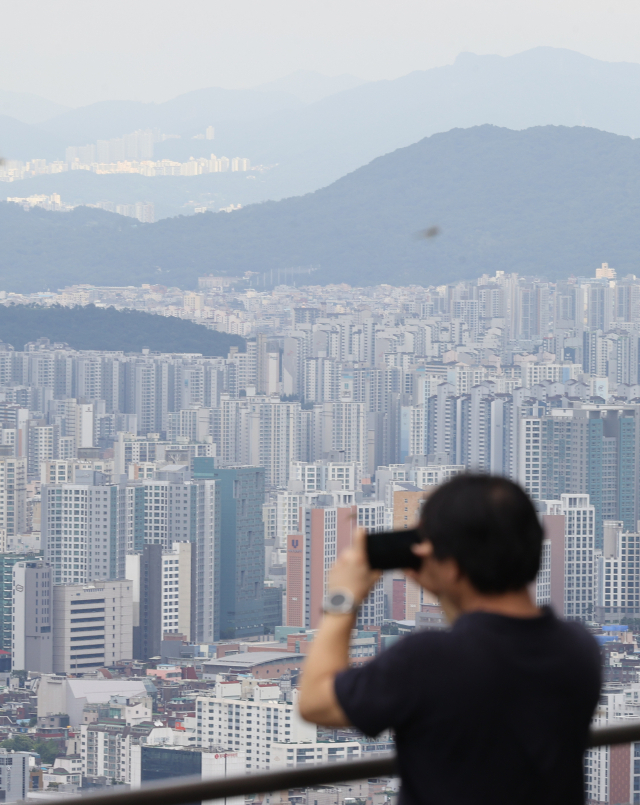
[{"x": 389, "y": 550}]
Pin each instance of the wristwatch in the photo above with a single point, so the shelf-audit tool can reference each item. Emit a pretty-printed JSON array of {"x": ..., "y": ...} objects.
[{"x": 340, "y": 602}]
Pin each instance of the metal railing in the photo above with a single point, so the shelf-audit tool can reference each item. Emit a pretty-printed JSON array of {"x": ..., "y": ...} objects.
[{"x": 189, "y": 789}]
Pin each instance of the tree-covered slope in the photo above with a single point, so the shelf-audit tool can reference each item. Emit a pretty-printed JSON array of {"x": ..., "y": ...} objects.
[
  {"x": 90, "y": 327},
  {"x": 547, "y": 200}
]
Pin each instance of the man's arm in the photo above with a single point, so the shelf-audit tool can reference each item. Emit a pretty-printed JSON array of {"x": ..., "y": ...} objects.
[
  {"x": 329, "y": 652},
  {"x": 328, "y": 655}
]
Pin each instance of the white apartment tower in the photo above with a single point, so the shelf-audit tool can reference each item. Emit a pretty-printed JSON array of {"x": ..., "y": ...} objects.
[
  {"x": 617, "y": 570},
  {"x": 579, "y": 556},
  {"x": 79, "y": 532},
  {"x": 13, "y": 495},
  {"x": 529, "y": 454},
  {"x": 176, "y": 590}
]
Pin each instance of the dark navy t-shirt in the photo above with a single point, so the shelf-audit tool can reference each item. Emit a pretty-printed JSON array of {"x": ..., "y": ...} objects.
[{"x": 495, "y": 711}]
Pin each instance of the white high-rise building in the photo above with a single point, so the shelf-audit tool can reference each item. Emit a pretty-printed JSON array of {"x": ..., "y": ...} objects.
[
  {"x": 41, "y": 447},
  {"x": 176, "y": 590},
  {"x": 273, "y": 437},
  {"x": 31, "y": 642},
  {"x": 13, "y": 495},
  {"x": 372, "y": 517},
  {"x": 80, "y": 534},
  {"x": 579, "y": 556},
  {"x": 325, "y": 476},
  {"x": 617, "y": 570},
  {"x": 530, "y": 455},
  {"x": 343, "y": 429}
]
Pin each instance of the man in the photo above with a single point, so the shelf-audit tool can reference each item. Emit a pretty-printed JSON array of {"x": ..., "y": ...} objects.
[{"x": 496, "y": 710}]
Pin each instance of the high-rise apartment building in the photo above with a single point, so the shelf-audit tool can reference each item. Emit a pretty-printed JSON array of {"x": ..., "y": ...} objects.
[
  {"x": 80, "y": 533},
  {"x": 580, "y": 518},
  {"x": 325, "y": 530},
  {"x": 551, "y": 579},
  {"x": 589, "y": 449},
  {"x": 177, "y": 595},
  {"x": 617, "y": 570},
  {"x": 342, "y": 427},
  {"x": 13, "y": 495},
  {"x": 144, "y": 571}
]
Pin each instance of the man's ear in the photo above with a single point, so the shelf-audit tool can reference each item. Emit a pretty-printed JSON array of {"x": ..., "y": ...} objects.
[
  {"x": 455, "y": 572},
  {"x": 422, "y": 549}
]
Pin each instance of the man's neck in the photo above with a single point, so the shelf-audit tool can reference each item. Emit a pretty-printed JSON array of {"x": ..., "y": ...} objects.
[{"x": 517, "y": 604}]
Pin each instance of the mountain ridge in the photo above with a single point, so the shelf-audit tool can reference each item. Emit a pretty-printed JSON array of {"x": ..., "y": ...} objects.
[
  {"x": 313, "y": 145},
  {"x": 548, "y": 201}
]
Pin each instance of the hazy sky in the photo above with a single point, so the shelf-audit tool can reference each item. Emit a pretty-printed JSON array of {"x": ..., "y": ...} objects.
[{"x": 80, "y": 51}]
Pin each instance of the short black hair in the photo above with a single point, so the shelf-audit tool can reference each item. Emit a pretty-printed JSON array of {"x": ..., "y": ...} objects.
[{"x": 489, "y": 525}]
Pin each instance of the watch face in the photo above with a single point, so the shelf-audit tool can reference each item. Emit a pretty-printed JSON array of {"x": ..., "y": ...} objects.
[{"x": 338, "y": 599}]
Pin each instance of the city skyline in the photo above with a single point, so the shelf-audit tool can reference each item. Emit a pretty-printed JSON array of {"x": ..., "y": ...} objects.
[{"x": 419, "y": 319}]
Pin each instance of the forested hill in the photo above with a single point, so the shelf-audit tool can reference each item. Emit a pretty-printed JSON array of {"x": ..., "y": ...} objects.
[
  {"x": 90, "y": 327},
  {"x": 549, "y": 201}
]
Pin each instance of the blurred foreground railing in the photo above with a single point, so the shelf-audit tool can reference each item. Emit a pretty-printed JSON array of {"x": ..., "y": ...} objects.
[{"x": 181, "y": 790}]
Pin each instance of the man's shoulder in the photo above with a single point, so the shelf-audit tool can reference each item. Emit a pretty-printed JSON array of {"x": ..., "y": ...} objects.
[
  {"x": 575, "y": 637},
  {"x": 423, "y": 640},
  {"x": 560, "y": 636}
]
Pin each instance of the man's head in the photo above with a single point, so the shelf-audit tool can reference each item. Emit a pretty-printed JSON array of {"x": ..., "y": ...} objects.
[{"x": 482, "y": 529}]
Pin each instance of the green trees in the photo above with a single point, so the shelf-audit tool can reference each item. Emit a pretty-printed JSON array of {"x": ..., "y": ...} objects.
[
  {"x": 91, "y": 327},
  {"x": 48, "y": 750}
]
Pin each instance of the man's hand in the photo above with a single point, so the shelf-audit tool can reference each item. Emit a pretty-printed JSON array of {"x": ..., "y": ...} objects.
[{"x": 352, "y": 572}]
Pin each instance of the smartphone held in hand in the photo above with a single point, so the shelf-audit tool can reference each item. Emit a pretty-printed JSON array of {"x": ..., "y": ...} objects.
[{"x": 389, "y": 550}]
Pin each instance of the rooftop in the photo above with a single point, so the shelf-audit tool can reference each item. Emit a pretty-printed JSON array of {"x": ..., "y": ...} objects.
[{"x": 250, "y": 659}]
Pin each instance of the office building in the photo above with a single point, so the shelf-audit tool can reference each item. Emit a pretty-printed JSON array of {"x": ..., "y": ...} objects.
[
  {"x": 14, "y": 775},
  {"x": 7, "y": 562},
  {"x": 32, "y": 644},
  {"x": 153, "y": 762},
  {"x": 241, "y": 550},
  {"x": 92, "y": 625}
]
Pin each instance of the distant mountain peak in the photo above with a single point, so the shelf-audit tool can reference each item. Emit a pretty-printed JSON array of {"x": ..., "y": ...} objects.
[
  {"x": 27, "y": 107},
  {"x": 310, "y": 86}
]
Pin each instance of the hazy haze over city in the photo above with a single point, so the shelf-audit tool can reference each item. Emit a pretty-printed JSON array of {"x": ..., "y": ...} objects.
[
  {"x": 77, "y": 52},
  {"x": 271, "y": 271}
]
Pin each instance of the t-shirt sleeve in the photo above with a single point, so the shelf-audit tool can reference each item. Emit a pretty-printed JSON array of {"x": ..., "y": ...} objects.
[{"x": 374, "y": 696}]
